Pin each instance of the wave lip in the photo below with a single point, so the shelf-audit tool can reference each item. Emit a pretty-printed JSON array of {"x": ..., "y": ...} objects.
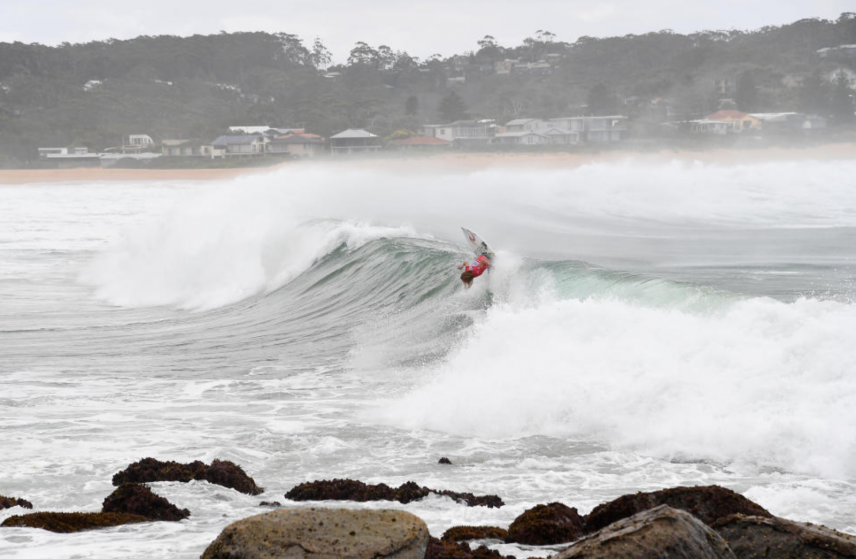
[{"x": 202, "y": 264}]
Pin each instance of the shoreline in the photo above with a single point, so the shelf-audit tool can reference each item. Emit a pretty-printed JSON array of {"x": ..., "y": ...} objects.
[{"x": 456, "y": 161}]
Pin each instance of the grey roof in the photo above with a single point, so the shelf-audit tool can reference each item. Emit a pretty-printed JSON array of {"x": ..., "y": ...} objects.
[
  {"x": 519, "y": 121},
  {"x": 518, "y": 134},
  {"x": 353, "y": 133},
  {"x": 232, "y": 140}
]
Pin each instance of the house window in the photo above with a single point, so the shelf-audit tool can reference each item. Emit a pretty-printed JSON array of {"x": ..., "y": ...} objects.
[{"x": 747, "y": 124}]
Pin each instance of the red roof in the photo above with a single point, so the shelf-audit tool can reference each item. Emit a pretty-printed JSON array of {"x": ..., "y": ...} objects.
[
  {"x": 420, "y": 141},
  {"x": 726, "y": 115}
]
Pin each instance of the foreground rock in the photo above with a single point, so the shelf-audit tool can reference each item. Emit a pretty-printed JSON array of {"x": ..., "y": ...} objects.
[
  {"x": 443, "y": 549},
  {"x": 323, "y": 534},
  {"x": 546, "y": 525},
  {"x": 751, "y": 537},
  {"x": 662, "y": 532},
  {"x": 66, "y": 522},
  {"x": 353, "y": 490},
  {"x": 464, "y": 533},
  {"x": 221, "y": 472},
  {"x": 9, "y": 502},
  {"x": 133, "y": 498},
  {"x": 707, "y": 503}
]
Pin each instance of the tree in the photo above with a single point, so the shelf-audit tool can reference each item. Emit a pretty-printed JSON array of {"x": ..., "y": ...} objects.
[
  {"x": 746, "y": 92},
  {"x": 813, "y": 94},
  {"x": 452, "y": 108},
  {"x": 363, "y": 54},
  {"x": 601, "y": 100},
  {"x": 842, "y": 106},
  {"x": 411, "y": 106},
  {"x": 321, "y": 57}
]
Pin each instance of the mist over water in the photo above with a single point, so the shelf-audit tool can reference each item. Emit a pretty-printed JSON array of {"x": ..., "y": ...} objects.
[{"x": 646, "y": 325}]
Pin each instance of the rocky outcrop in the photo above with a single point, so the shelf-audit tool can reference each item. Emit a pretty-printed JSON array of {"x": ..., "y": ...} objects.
[
  {"x": 464, "y": 533},
  {"x": 442, "y": 549},
  {"x": 323, "y": 534},
  {"x": 354, "y": 490},
  {"x": 546, "y": 525},
  {"x": 221, "y": 472},
  {"x": 9, "y": 502},
  {"x": 66, "y": 522},
  {"x": 133, "y": 498},
  {"x": 751, "y": 537},
  {"x": 707, "y": 503},
  {"x": 444, "y": 460},
  {"x": 652, "y": 534}
]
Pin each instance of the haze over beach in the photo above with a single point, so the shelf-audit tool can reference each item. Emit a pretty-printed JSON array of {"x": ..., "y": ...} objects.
[{"x": 238, "y": 251}]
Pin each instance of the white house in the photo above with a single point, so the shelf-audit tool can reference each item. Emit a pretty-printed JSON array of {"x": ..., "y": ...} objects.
[
  {"x": 238, "y": 146},
  {"x": 140, "y": 140},
  {"x": 352, "y": 141},
  {"x": 462, "y": 131},
  {"x": 521, "y": 124},
  {"x": 714, "y": 127},
  {"x": 521, "y": 138}
]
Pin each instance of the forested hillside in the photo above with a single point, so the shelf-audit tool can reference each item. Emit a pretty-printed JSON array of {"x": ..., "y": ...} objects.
[{"x": 93, "y": 94}]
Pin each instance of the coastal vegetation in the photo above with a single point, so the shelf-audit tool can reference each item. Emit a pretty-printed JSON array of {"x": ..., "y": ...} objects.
[{"x": 96, "y": 93}]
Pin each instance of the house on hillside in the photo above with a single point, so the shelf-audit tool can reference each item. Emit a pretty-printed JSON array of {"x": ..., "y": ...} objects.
[
  {"x": 712, "y": 127},
  {"x": 521, "y": 138},
  {"x": 463, "y": 131},
  {"x": 185, "y": 148},
  {"x": 842, "y": 72},
  {"x": 136, "y": 143},
  {"x": 299, "y": 145},
  {"x": 847, "y": 51},
  {"x": 70, "y": 157},
  {"x": 790, "y": 121},
  {"x": 561, "y": 137},
  {"x": 248, "y": 145},
  {"x": 352, "y": 141},
  {"x": 600, "y": 129},
  {"x": 742, "y": 122},
  {"x": 604, "y": 129},
  {"x": 522, "y": 124}
]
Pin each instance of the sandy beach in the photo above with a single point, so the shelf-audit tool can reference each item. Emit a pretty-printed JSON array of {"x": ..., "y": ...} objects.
[{"x": 448, "y": 161}]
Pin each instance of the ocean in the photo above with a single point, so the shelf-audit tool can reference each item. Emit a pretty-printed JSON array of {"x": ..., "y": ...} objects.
[{"x": 646, "y": 325}]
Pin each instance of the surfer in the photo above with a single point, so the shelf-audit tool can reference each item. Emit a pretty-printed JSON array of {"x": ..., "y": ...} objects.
[{"x": 473, "y": 269}]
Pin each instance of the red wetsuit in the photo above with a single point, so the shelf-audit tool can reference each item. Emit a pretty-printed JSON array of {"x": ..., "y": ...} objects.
[{"x": 478, "y": 267}]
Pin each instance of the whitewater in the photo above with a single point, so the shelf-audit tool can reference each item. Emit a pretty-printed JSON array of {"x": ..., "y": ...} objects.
[{"x": 647, "y": 325}]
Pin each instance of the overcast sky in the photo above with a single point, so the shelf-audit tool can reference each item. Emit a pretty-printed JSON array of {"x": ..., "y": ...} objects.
[{"x": 420, "y": 27}]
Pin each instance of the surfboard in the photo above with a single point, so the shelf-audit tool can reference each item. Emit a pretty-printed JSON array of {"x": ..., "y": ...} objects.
[{"x": 477, "y": 244}]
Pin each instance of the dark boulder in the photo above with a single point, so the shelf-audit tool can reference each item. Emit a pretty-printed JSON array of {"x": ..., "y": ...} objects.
[
  {"x": 707, "y": 503},
  {"x": 489, "y": 501},
  {"x": 220, "y": 472},
  {"x": 354, "y": 490},
  {"x": 311, "y": 533},
  {"x": 546, "y": 525},
  {"x": 754, "y": 537},
  {"x": 66, "y": 522},
  {"x": 229, "y": 474},
  {"x": 9, "y": 502},
  {"x": 134, "y": 498},
  {"x": 440, "y": 549},
  {"x": 463, "y": 533},
  {"x": 661, "y": 532},
  {"x": 270, "y": 504},
  {"x": 445, "y": 460}
]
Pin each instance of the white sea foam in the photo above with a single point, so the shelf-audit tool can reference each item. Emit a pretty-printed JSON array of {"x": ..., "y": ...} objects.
[{"x": 759, "y": 382}]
